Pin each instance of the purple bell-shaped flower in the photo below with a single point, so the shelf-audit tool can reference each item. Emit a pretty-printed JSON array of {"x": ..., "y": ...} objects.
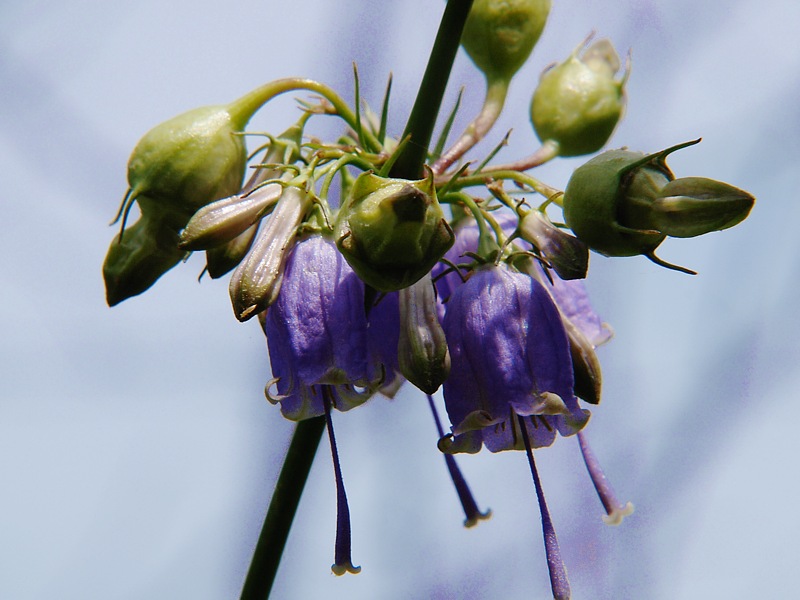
[
  {"x": 509, "y": 356},
  {"x": 317, "y": 332}
]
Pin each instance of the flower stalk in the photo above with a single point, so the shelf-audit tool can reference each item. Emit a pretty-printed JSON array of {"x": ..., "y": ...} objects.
[
  {"x": 246, "y": 106},
  {"x": 282, "y": 508},
  {"x": 431, "y": 91},
  {"x": 496, "y": 92}
]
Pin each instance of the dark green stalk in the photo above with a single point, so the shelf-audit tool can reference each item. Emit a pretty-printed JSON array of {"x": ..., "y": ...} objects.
[
  {"x": 282, "y": 508},
  {"x": 431, "y": 91}
]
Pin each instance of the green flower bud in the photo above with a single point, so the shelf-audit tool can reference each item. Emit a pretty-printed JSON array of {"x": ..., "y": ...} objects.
[
  {"x": 140, "y": 255},
  {"x": 392, "y": 231},
  {"x": 624, "y": 203},
  {"x": 585, "y": 364},
  {"x": 422, "y": 352},
  {"x": 692, "y": 206},
  {"x": 189, "y": 161},
  {"x": 175, "y": 169},
  {"x": 499, "y": 35},
  {"x": 568, "y": 255},
  {"x": 578, "y": 103},
  {"x": 607, "y": 189}
]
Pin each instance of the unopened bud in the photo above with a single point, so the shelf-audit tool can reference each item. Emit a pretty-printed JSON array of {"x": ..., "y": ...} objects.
[
  {"x": 579, "y": 102},
  {"x": 568, "y": 256},
  {"x": 222, "y": 259},
  {"x": 392, "y": 231},
  {"x": 422, "y": 351},
  {"x": 585, "y": 364},
  {"x": 693, "y": 206},
  {"x": 189, "y": 161},
  {"x": 603, "y": 198},
  {"x": 147, "y": 250},
  {"x": 500, "y": 34},
  {"x": 223, "y": 220},
  {"x": 256, "y": 281},
  {"x": 624, "y": 203}
]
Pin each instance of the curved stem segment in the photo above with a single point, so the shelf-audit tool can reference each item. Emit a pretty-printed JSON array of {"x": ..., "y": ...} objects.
[
  {"x": 431, "y": 91},
  {"x": 282, "y": 508},
  {"x": 546, "y": 152},
  {"x": 487, "y": 244},
  {"x": 496, "y": 91},
  {"x": 243, "y": 109},
  {"x": 482, "y": 178}
]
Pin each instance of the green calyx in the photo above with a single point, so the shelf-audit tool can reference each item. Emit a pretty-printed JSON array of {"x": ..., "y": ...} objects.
[
  {"x": 392, "y": 231},
  {"x": 624, "y": 203},
  {"x": 606, "y": 200},
  {"x": 579, "y": 102},
  {"x": 499, "y": 35}
]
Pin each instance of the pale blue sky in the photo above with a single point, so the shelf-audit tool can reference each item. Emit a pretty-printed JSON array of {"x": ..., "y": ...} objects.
[{"x": 137, "y": 451}]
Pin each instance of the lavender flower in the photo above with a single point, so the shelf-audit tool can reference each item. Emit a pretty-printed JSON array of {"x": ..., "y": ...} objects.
[
  {"x": 509, "y": 356},
  {"x": 317, "y": 332}
]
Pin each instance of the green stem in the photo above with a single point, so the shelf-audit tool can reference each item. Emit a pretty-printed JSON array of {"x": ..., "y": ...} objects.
[
  {"x": 488, "y": 247},
  {"x": 480, "y": 179},
  {"x": 243, "y": 109},
  {"x": 546, "y": 152},
  {"x": 496, "y": 91},
  {"x": 282, "y": 508},
  {"x": 431, "y": 91}
]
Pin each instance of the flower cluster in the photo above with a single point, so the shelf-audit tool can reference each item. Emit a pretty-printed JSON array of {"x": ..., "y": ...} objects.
[{"x": 432, "y": 275}]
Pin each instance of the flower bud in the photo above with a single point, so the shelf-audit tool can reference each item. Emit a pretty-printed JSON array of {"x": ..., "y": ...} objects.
[
  {"x": 692, "y": 206},
  {"x": 176, "y": 168},
  {"x": 578, "y": 103},
  {"x": 256, "y": 281},
  {"x": 223, "y": 220},
  {"x": 604, "y": 199},
  {"x": 499, "y": 35},
  {"x": 568, "y": 255},
  {"x": 585, "y": 364},
  {"x": 392, "y": 231},
  {"x": 623, "y": 203},
  {"x": 140, "y": 255},
  {"x": 189, "y": 160},
  {"x": 422, "y": 349}
]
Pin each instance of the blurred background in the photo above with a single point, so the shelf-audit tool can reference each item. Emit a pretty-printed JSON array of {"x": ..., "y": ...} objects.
[{"x": 137, "y": 451}]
